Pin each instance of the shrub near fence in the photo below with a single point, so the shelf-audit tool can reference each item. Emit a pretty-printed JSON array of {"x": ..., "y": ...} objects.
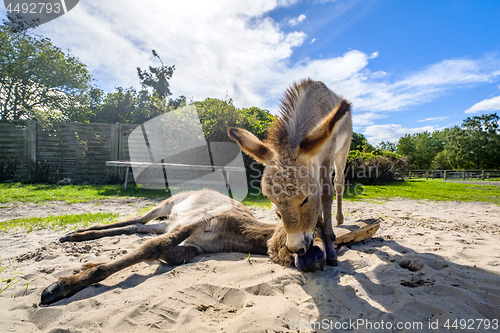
[
  {"x": 374, "y": 167},
  {"x": 73, "y": 150}
]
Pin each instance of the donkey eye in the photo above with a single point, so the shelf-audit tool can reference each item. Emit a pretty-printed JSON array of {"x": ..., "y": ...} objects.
[
  {"x": 304, "y": 202},
  {"x": 279, "y": 215}
]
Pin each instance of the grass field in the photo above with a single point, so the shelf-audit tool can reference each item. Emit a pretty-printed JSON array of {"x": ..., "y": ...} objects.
[
  {"x": 417, "y": 189},
  {"x": 40, "y": 193},
  {"x": 437, "y": 189}
]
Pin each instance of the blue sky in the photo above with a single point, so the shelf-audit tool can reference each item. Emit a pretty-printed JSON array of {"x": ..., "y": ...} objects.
[{"x": 407, "y": 66}]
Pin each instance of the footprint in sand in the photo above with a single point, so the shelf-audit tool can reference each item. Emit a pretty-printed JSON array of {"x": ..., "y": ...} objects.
[{"x": 411, "y": 265}]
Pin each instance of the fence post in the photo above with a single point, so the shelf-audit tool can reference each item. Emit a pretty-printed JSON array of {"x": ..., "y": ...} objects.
[
  {"x": 31, "y": 140},
  {"x": 444, "y": 174},
  {"x": 482, "y": 175},
  {"x": 115, "y": 141},
  {"x": 463, "y": 175}
]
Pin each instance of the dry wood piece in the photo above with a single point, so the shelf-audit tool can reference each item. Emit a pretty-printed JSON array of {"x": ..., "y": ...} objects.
[{"x": 360, "y": 230}]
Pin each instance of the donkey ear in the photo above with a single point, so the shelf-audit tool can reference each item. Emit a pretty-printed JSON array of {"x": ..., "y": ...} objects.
[
  {"x": 313, "y": 141},
  {"x": 251, "y": 145}
]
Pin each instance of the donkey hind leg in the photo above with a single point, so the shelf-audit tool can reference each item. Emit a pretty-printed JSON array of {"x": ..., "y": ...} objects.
[
  {"x": 327, "y": 196},
  {"x": 156, "y": 248},
  {"x": 130, "y": 226},
  {"x": 339, "y": 182},
  {"x": 315, "y": 258}
]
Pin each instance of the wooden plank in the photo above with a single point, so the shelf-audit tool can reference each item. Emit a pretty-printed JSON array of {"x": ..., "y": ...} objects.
[{"x": 360, "y": 230}]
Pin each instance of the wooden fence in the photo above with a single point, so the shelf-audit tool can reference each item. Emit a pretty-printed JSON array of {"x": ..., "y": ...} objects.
[
  {"x": 452, "y": 174},
  {"x": 75, "y": 150}
]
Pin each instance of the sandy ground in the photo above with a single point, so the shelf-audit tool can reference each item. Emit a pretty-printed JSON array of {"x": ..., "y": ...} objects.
[{"x": 431, "y": 263}]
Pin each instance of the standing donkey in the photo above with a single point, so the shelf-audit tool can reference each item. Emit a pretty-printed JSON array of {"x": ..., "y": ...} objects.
[{"x": 311, "y": 136}]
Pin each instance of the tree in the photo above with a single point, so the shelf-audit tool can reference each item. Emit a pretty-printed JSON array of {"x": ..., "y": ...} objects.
[
  {"x": 216, "y": 116},
  {"x": 476, "y": 144},
  {"x": 421, "y": 147},
  {"x": 387, "y": 146},
  {"x": 36, "y": 76},
  {"x": 358, "y": 141},
  {"x": 127, "y": 105},
  {"x": 442, "y": 161},
  {"x": 257, "y": 121},
  {"x": 157, "y": 78},
  {"x": 85, "y": 106}
]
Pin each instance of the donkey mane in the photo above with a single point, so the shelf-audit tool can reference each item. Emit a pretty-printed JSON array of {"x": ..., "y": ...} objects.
[{"x": 294, "y": 121}]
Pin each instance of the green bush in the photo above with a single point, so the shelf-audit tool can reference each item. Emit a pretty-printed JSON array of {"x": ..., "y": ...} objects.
[
  {"x": 39, "y": 172},
  {"x": 8, "y": 170},
  {"x": 374, "y": 167}
]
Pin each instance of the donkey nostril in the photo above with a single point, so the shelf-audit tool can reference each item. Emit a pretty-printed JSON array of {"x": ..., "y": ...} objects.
[{"x": 301, "y": 252}]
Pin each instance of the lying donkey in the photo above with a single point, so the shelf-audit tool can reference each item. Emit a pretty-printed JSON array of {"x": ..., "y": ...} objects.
[{"x": 202, "y": 221}]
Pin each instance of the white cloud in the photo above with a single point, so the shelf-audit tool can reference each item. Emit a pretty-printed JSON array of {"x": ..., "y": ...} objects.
[
  {"x": 452, "y": 71},
  {"x": 492, "y": 104},
  {"x": 235, "y": 48},
  {"x": 369, "y": 93},
  {"x": 366, "y": 118},
  {"x": 296, "y": 20},
  {"x": 218, "y": 47},
  {"x": 312, "y": 41},
  {"x": 378, "y": 75},
  {"x": 433, "y": 119},
  {"x": 391, "y": 132}
]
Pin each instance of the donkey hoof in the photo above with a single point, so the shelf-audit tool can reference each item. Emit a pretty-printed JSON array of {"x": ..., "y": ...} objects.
[
  {"x": 65, "y": 238},
  {"x": 331, "y": 257},
  {"x": 332, "y": 262},
  {"x": 312, "y": 260},
  {"x": 52, "y": 293}
]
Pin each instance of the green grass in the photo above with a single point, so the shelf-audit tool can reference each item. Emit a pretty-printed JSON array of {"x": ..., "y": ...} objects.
[
  {"x": 257, "y": 199},
  {"x": 60, "y": 222},
  {"x": 9, "y": 270},
  {"x": 418, "y": 189},
  {"x": 37, "y": 193},
  {"x": 437, "y": 189}
]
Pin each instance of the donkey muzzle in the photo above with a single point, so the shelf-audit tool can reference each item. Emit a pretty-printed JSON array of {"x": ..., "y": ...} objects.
[{"x": 299, "y": 242}]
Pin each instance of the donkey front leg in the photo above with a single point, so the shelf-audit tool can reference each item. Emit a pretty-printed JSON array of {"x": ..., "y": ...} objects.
[
  {"x": 327, "y": 201},
  {"x": 153, "y": 249},
  {"x": 78, "y": 236}
]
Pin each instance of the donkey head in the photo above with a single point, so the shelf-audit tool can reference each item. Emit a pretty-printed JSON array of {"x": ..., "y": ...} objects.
[
  {"x": 291, "y": 179},
  {"x": 295, "y": 193}
]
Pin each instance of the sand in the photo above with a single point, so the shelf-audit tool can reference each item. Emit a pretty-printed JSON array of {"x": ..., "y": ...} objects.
[{"x": 431, "y": 263}]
